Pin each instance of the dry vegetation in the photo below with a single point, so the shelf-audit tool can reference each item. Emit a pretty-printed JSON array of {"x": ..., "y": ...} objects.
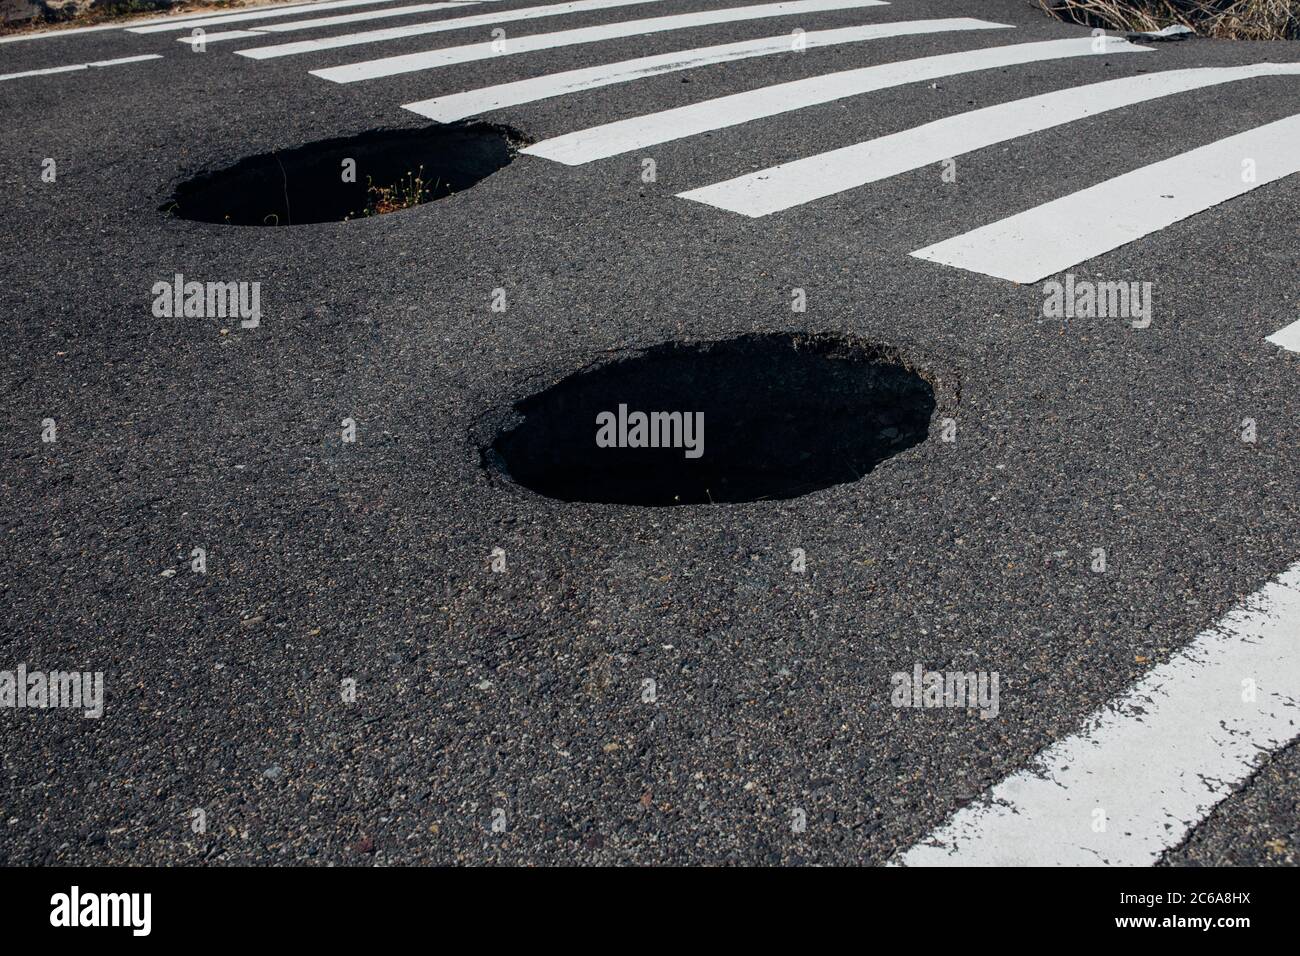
[
  {"x": 410, "y": 190},
  {"x": 1224, "y": 19}
]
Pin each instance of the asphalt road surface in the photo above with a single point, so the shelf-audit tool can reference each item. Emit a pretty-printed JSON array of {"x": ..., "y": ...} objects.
[{"x": 1103, "y": 515}]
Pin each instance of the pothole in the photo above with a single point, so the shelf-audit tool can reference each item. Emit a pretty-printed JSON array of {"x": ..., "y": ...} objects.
[
  {"x": 749, "y": 419},
  {"x": 337, "y": 180}
]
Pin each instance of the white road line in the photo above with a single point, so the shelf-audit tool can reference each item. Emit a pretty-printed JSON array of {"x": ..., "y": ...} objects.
[
  {"x": 825, "y": 174},
  {"x": 221, "y": 19},
  {"x": 211, "y": 15},
  {"x": 45, "y": 72},
  {"x": 456, "y": 106},
  {"x": 1151, "y": 765},
  {"x": 305, "y": 7},
  {"x": 207, "y": 38},
  {"x": 429, "y": 59},
  {"x": 133, "y": 25},
  {"x": 47, "y": 34},
  {"x": 342, "y": 18},
  {"x": 1288, "y": 337},
  {"x": 1054, "y": 236},
  {"x": 127, "y": 59},
  {"x": 318, "y": 22},
  {"x": 80, "y": 66},
  {"x": 438, "y": 26},
  {"x": 612, "y": 139},
  {"x": 75, "y": 31}
]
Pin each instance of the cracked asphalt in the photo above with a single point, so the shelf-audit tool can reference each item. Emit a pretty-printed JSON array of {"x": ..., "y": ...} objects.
[{"x": 521, "y": 691}]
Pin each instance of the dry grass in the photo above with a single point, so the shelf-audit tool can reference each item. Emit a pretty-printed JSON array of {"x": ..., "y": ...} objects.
[
  {"x": 410, "y": 190},
  {"x": 1224, "y": 19}
]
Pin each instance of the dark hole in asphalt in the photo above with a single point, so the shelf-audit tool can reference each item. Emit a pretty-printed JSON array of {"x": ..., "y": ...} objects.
[
  {"x": 338, "y": 180},
  {"x": 750, "y": 419}
]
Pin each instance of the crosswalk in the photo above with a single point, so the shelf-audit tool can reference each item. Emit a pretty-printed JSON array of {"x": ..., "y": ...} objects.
[
  {"x": 1050, "y": 238},
  {"x": 435, "y": 26},
  {"x": 1026, "y": 247},
  {"x": 316, "y": 23},
  {"x": 792, "y": 184},
  {"x": 493, "y": 49},
  {"x": 222, "y": 19},
  {"x": 707, "y": 116},
  {"x": 1153, "y": 763},
  {"x": 457, "y": 106}
]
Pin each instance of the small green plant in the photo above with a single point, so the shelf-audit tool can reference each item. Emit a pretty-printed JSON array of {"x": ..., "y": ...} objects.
[{"x": 410, "y": 190}]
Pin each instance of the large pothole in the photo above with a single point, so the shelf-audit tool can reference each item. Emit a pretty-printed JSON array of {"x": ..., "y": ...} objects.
[
  {"x": 748, "y": 419},
  {"x": 348, "y": 178}
]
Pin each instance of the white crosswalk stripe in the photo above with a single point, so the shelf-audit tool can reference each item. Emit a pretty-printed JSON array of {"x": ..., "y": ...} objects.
[
  {"x": 793, "y": 184},
  {"x": 1047, "y": 239},
  {"x": 474, "y": 102},
  {"x": 638, "y": 132},
  {"x": 305, "y": 7},
  {"x": 438, "y": 26},
  {"x": 1287, "y": 338},
  {"x": 59, "y": 34},
  {"x": 221, "y": 19},
  {"x": 1151, "y": 765},
  {"x": 430, "y": 59},
  {"x": 317, "y": 23},
  {"x": 133, "y": 25},
  {"x": 203, "y": 39}
]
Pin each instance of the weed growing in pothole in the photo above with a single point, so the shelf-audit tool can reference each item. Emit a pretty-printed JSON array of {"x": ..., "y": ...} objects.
[
  {"x": 349, "y": 178},
  {"x": 410, "y": 190}
]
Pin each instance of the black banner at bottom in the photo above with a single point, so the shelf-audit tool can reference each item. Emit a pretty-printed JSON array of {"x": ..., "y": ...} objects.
[{"x": 335, "y": 906}]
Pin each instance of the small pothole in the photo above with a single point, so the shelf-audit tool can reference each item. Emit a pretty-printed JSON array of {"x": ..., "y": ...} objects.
[
  {"x": 337, "y": 180},
  {"x": 749, "y": 419}
]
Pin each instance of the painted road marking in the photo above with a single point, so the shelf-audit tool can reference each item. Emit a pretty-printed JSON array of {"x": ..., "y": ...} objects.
[
  {"x": 474, "y": 102},
  {"x": 793, "y": 184},
  {"x": 207, "y": 38},
  {"x": 1154, "y": 762},
  {"x": 45, "y": 72},
  {"x": 342, "y": 18},
  {"x": 47, "y": 34},
  {"x": 305, "y": 7},
  {"x": 181, "y": 18},
  {"x": 612, "y": 139},
  {"x": 221, "y": 19},
  {"x": 127, "y": 59},
  {"x": 1065, "y": 232},
  {"x": 410, "y": 62},
  {"x": 263, "y": 29},
  {"x": 1288, "y": 337},
  {"x": 214, "y": 15},
  {"x": 81, "y": 66},
  {"x": 438, "y": 26}
]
